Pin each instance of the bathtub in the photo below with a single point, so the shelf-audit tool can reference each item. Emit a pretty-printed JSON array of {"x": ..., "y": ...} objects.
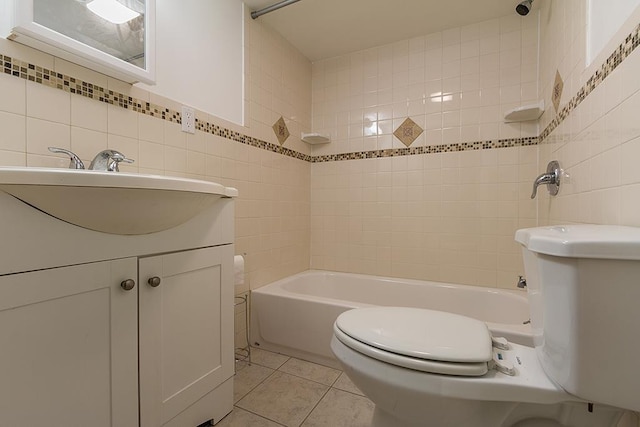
[{"x": 295, "y": 315}]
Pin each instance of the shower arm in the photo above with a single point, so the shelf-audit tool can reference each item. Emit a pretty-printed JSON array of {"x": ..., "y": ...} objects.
[{"x": 257, "y": 13}]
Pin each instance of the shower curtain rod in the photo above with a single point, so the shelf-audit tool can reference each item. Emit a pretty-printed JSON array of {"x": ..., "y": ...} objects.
[{"x": 256, "y": 13}]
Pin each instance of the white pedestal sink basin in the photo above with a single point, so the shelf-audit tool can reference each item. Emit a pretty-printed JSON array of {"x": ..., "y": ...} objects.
[{"x": 112, "y": 202}]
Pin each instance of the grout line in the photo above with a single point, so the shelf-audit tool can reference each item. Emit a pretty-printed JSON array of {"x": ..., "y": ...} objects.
[
  {"x": 315, "y": 406},
  {"x": 258, "y": 415},
  {"x": 255, "y": 386},
  {"x": 328, "y": 388},
  {"x": 351, "y": 393},
  {"x": 309, "y": 379}
]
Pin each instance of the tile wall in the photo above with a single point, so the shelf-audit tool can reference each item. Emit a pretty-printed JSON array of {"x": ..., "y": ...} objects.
[
  {"x": 455, "y": 84},
  {"x": 444, "y": 216},
  {"x": 272, "y": 212},
  {"x": 598, "y": 144},
  {"x": 278, "y": 85}
]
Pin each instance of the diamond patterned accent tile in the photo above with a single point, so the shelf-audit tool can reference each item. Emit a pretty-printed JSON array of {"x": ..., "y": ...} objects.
[
  {"x": 408, "y": 131},
  {"x": 280, "y": 128},
  {"x": 557, "y": 91}
]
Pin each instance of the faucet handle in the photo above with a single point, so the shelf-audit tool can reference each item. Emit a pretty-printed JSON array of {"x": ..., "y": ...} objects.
[
  {"x": 551, "y": 178},
  {"x": 107, "y": 160},
  {"x": 115, "y": 159},
  {"x": 74, "y": 160}
]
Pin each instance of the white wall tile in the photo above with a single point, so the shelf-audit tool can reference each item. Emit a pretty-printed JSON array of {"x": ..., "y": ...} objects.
[
  {"x": 48, "y": 103},
  {"x": 13, "y": 131},
  {"x": 150, "y": 129},
  {"x": 88, "y": 113},
  {"x": 13, "y": 158},
  {"x": 14, "y": 94},
  {"x": 42, "y": 134},
  {"x": 121, "y": 121}
]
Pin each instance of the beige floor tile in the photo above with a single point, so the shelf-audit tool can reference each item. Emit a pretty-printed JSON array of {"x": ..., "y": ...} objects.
[
  {"x": 241, "y": 418},
  {"x": 341, "y": 409},
  {"x": 267, "y": 358},
  {"x": 248, "y": 378},
  {"x": 241, "y": 364},
  {"x": 310, "y": 371},
  {"x": 284, "y": 398},
  {"x": 344, "y": 383}
]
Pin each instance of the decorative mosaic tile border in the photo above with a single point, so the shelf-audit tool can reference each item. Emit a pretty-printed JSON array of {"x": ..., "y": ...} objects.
[
  {"x": 429, "y": 149},
  {"x": 70, "y": 84},
  {"x": 44, "y": 76},
  {"x": 50, "y": 78},
  {"x": 623, "y": 50}
]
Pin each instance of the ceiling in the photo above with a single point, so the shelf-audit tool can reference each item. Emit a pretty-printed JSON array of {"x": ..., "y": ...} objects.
[{"x": 327, "y": 28}]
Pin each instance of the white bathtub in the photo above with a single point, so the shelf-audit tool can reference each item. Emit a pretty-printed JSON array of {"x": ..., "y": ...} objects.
[{"x": 295, "y": 315}]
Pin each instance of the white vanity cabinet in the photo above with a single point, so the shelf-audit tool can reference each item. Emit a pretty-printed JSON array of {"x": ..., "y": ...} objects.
[
  {"x": 68, "y": 346},
  {"x": 183, "y": 303},
  {"x": 77, "y": 348}
]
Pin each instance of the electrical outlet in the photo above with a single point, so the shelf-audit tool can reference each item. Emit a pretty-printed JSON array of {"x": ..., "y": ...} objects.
[{"x": 188, "y": 120}]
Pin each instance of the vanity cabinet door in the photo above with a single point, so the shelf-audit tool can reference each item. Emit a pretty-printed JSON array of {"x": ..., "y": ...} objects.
[
  {"x": 186, "y": 331},
  {"x": 68, "y": 346}
]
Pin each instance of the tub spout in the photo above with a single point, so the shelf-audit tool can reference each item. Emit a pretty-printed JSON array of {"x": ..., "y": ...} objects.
[
  {"x": 522, "y": 282},
  {"x": 551, "y": 178}
]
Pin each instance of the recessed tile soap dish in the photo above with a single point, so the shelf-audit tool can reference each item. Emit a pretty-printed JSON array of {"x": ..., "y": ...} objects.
[{"x": 315, "y": 138}]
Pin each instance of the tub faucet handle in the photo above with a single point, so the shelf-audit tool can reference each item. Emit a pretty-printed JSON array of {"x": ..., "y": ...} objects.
[{"x": 551, "y": 178}]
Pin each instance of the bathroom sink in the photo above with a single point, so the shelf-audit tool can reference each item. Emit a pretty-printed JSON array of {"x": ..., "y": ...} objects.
[{"x": 112, "y": 202}]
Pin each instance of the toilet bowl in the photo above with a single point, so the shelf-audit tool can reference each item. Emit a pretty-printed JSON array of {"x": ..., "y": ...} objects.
[
  {"x": 428, "y": 368},
  {"x": 392, "y": 355}
]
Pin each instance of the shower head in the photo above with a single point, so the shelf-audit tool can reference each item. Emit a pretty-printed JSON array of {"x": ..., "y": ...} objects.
[{"x": 524, "y": 7}]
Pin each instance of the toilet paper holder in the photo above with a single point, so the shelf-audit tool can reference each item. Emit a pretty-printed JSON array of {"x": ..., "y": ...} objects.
[{"x": 242, "y": 354}]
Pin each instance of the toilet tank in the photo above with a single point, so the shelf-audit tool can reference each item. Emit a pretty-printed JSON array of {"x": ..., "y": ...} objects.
[{"x": 583, "y": 283}]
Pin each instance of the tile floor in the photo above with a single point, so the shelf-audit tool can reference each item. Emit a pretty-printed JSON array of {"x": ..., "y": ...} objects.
[{"x": 277, "y": 390}]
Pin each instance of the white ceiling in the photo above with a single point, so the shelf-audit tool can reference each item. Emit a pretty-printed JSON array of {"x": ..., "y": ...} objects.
[{"x": 327, "y": 28}]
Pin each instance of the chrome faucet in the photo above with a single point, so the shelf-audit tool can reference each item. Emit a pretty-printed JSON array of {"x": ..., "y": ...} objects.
[
  {"x": 74, "y": 160},
  {"x": 108, "y": 160},
  {"x": 551, "y": 178}
]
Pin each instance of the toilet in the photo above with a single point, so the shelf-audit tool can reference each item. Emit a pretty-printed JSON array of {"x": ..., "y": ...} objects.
[{"x": 429, "y": 368}]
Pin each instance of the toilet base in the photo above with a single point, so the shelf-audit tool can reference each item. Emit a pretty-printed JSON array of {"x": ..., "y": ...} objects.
[
  {"x": 469, "y": 414},
  {"x": 408, "y": 398},
  {"x": 490, "y": 414}
]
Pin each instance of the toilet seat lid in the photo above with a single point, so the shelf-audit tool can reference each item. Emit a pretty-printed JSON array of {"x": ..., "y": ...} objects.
[{"x": 419, "y": 333}]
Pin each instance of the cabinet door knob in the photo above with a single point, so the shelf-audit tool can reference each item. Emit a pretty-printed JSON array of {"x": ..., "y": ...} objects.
[
  {"x": 128, "y": 284},
  {"x": 154, "y": 281}
]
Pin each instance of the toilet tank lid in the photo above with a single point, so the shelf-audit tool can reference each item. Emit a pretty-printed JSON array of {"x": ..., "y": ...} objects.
[{"x": 583, "y": 241}]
